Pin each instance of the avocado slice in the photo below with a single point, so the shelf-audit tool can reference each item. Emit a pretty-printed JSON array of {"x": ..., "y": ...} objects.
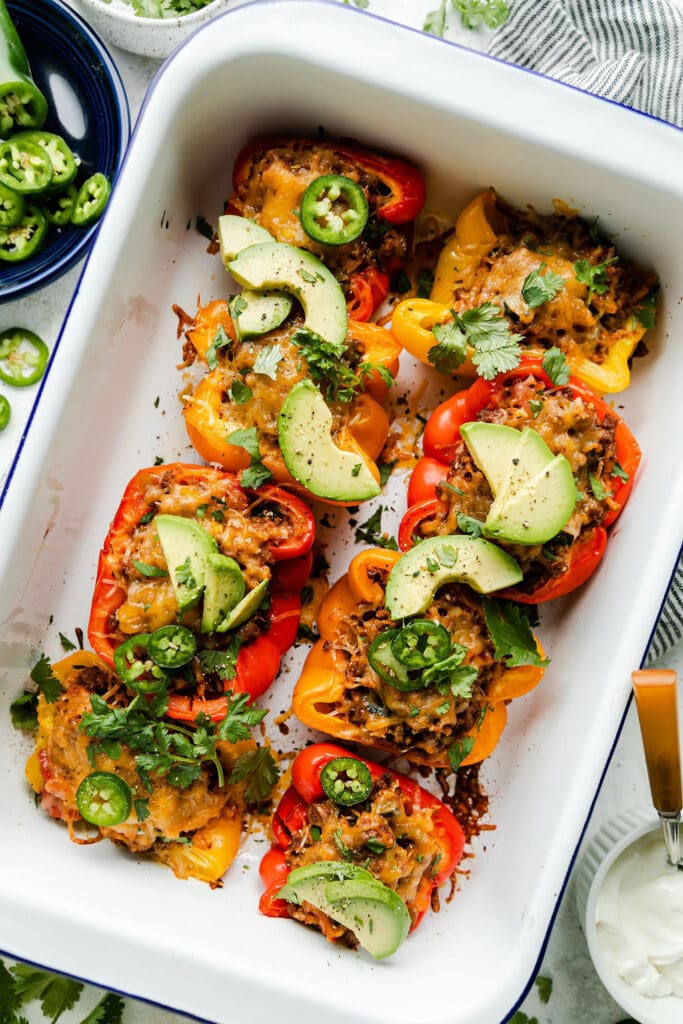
[
  {"x": 237, "y": 233},
  {"x": 276, "y": 265},
  {"x": 186, "y": 546},
  {"x": 375, "y": 914},
  {"x": 245, "y": 608},
  {"x": 493, "y": 447},
  {"x": 223, "y": 589},
  {"x": 416, "y": 577},
  {"x": 305, "y": 435},
  {"x": 256, "y": 313},
  {"x": 537, "y": 512},
  {"x": 531, "y": 457},
  {"x": 300, "y": 881}
]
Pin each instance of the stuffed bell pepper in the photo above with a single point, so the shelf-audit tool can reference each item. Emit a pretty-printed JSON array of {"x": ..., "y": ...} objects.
[
  {"x": 539, "y": 467},
  {"x": 289, "y": 405},
  {"x": 347, "y": 205},
  {"x": 112, "y": 765},
  {"x": 358, "y": 851},
  {"x": 413, "y": 660},
  {"x": 198, "y": 586},
  {"x": 513, "y": 281}
]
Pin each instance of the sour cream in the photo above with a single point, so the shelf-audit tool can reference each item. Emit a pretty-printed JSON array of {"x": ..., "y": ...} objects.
[{"x": 639, "y": 918}]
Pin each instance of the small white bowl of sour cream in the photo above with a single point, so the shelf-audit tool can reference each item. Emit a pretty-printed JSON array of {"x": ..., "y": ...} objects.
[{"x": 630, "y": 902}]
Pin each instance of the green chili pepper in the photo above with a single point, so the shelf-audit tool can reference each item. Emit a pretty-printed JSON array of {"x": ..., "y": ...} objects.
[
  {"x": 421, "y": 643},
  {"x": 22, "y": 104},
  {"x": 23, "y": 357},
  {"x": 62, "y": 160},
  {"x": 91, "y": 200},
  {"x": 334, "y": 210},
  {"x": 5, "y": 412},
  {"x": 104, "y": 799},
  {"x": 58, "y": 207},
  {"x": 12, "y": 206},
  {"x": 25, "y": 238},
  {"x": 135, "y": 667},
  {"x": 172, "y": 646},
  {"x": 24, "y": 165},
  {"x": 346, "y": 780},
  {"x": 387, "y": 666}
]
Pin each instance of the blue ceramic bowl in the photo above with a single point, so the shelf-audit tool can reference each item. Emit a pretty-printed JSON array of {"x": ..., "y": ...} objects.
[{"x": 87, "y": 106}]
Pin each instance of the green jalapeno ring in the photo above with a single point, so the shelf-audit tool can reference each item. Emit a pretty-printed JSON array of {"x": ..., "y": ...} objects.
[
  {"x": 12, "y": 206},
  {"x": 25, "y": 238},
  {"x": 136, "y": 669},
  {"x": 346, "y": 780},
  {"x": 22, "y": 104},
  {"x": 24, "y": 166},
  {"x": 23, "y": 357},
  {"x": 91, "y": 200},
  {"x": 62, "y": 161},
  {"x": 387, "y": 666},
  {"x": 172, "y": 646},
  {"x": 5, "y": 412},
  {"x": 104, "y": 799},
  {"x": 334, "y": 210},
  {"x": 421, "y": 643},
  {"x": 58, "y": 207}
]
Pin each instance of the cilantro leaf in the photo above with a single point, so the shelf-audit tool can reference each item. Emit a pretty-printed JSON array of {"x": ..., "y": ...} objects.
[
  {"x": 521, "y": 1018},
  {"x": 220, "y": 340},
  {"x": 10, "y": 1001},
  {"x": 109, "y": 1010},
  {"x": 468, "y": 524},
  {"x": 435, "y": 21},
  {"x": 545, "y": 987},
  {"x": 511, "y": 634},
  {"x": 221, "y": 663},
  {"x": 184, "y": 574},
  {"x": 485, "y": 329},
  {"x": 600, "y": 492},
  {"x": 540, "y": 288},
  {"x": 370, "y": 532},
  {"x": 478, "y": 13},
  {"x": 67, "y": 645},
  {"x": 240, "y": 392},
  {"x": 556, "y": 366},
  {"x": 593, "y": 275},
  {"x": 645, "y": 313},
  {"x": 255, "y": 475},
  {"x": 425, "y": 283},
  {"x": 239, "y": 719},
  {"x": 620, "y": 472},
  {"x": 385, "y": 471},
  {"x": 237, "y": 306},
  {"x": 345, "y": 851},
  {"x": 23, "y": 711},
  {"x": 326, "y": 365},
  {"x": 259, "y": 769},
  {"x": 45, "y": 680},
  {"x": 56, "y": 993},
  {"x": 451, "y": 350},
  {"x": 535, "y": 405},
  {"x": 247, "y": 438},
  {"x": 459, "y": 750},
  {"x": 151, "y": 571},
  {"x": 268, "y": 360}
]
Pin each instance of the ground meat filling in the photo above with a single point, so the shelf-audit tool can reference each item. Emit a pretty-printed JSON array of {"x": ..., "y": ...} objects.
[
  {"x": 570, "y": 427},
  {"x": 272, "y": 192},
  {"x": 383, "y": 834},
  {"x": 423, "y": 722},
  {"x": 578, "y": 321}
]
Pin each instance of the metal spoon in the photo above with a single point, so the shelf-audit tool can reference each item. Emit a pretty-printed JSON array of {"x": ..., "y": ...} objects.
[{"x": 656, "y": 701}]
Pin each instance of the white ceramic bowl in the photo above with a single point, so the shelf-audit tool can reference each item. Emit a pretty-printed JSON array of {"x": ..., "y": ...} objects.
[
  {"x": 613, "y": 839},
  {"x": 150, "y": 37}
]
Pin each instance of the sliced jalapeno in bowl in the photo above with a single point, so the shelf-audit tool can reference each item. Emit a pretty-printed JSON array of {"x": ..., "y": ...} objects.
[
  {"x": 104, "y": 799},
  {"x": 5, "y": 412},
  {"x": 58, "y": 206},
  {"x": 421, "y": 643},
  {"x": 334, "y": 210},
  {"x": 62, "y": 160},
  {"x": 91, "y": 200},
  {"x": 23, "y": 357},
  {"x": 172, "y": 646},
  {"x": 12, "y": 206},
  {"x": 24, "y": 166},
  {"x": 135, "y": 667},
  {"x": 346, "y": 780},
  {"x": 25, "y": 238}
]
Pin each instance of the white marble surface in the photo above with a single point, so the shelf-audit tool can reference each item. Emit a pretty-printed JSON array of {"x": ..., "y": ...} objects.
[{"x": 577, "y": 994}]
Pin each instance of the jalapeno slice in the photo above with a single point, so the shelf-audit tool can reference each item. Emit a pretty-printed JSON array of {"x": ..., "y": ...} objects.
[
  {"x": 58, "y": 207},
  {"x": 346, "y": 780},
  {"x": 25, "y": 238},
  {"x": 172, "y": 646},
  {"x": 421, "y": 643},
  {"x": 91, "y": 200},
  {"x": 387, "y": 666},
  {"x": 24, "y": 166},
  {"x": 62, "y": 160},
  {"x": 104, "y": 799},
  {"x": 23, "y": 357},
  {"x": 334, "y": 210},
  {"x": 5, "y": 412},
  {"x": 12, "y": 207},
  {"x": 136, "y": 668}
]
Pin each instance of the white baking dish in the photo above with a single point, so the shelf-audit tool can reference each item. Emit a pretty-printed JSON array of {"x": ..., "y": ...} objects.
[{"x": 289, "y": 67}]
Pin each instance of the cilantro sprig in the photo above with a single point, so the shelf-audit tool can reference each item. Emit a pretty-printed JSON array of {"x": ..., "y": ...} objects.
[
  {"x": 328, "y": 367},
  {"x": 484, "y": 329},
  {"x": 593, "y": 275},
  {"x": 370, "y": 532},
  {"x": 23, "y": 983},
  {"x": 256, "y": 473},
  {"x": 510, "y": 631},
  {"x": 474, "y": 14},
  {"x": 539, "y": 288}
]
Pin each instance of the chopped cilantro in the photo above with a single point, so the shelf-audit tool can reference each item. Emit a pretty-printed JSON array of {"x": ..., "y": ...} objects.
[
  {"x": 356, "y": 469},
  {"x": 259, "y": 769},
  {"x": 67, "y": 645},
  {"x": 44, "y": 678},
  {"x": 375, "y": 846},
  {"x": 600, "y": 492},
  {"x": 594, "y": 276},
  {"x": 539, "y": 288},
  {"x": 150, "y": 571},
  {"x": 147, "y": 518},
  {"x": 200, "y": 510},
  {"x": 268, "y": 360},
  {"x": 459, "y": 751},
  {"x": 485, "y": 329},
  {"x": 619, "y": 471},
  {"x": 221, "y": 663},
  {"x": 142, "y": 808},
  {"x": 109, "y": 1010},
  {"x": 237, "y": 306},
  {"x": 545, "y": 987},
  {"x": 521, "y": 1018},
  {"x": 23, "y": 711},
  {"x": 239, "y": 392},
  {"x": 158, "y": 460},
  {"x": 326, "y": 365},
  {"x": 435, "y": 22},
  {"x": 220, "y": 340},
  {"x": 184, "y": 575},
  {"x": 425, "y": 282},
  {"x": 646, "y": 312},
  {"x": 448, "y": 556},
  {"x": 535, "y": 405},
  {"x": 385, "y": 471},
  {"x": 468, "y": 524},
  {"x": 370, "y": 532},
  {"x": 478, "y": 13},
  {"x": 511, "y": 634},
  {"x": 556, "y": 366},
  {"x": 316, "y": 833},
  {"x": 344, "y": 850},
  {"x": 256, "y": 473}
]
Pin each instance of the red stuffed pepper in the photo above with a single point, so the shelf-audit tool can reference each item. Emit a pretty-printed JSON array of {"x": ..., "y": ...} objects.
[
  {"x": 376, "y": 821},
  {"x": 286, "y": 185},
  {"x": 448, "y": 492},
  {"x": 198, "y": 586}
]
